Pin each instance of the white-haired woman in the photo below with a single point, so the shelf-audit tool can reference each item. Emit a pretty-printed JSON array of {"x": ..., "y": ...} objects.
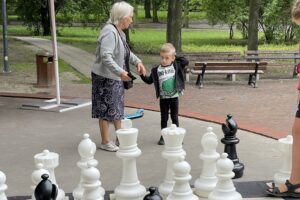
[{"x": 109, "y": 71}]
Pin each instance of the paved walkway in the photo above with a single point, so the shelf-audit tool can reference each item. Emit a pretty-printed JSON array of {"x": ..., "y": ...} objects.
[{"x": 267, "y": 110}]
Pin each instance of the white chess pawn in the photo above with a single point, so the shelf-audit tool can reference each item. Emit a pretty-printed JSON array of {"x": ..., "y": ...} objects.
[
  {"x": 50, "y": 161},
  {"x": 285, "y": 148},
  {"x": 36, "y": 177},
  {"x": 224, "y": 189},
  {"x": 208, "y": 180},
  {"x": 91, "y": 183},
  {"x": 182, "y": 189},
  {"x": 86, "y": 150},
  {"x": 3, "y": 186},
  {"x": 130, "y": 187},
  {"x": 173, "y": 137}
]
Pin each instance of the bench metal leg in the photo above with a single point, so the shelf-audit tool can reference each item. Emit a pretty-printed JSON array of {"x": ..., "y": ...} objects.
[{"x": 198, "y": 80}]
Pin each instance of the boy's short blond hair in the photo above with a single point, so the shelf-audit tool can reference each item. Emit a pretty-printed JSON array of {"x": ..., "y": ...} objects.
[{"x": 168, "y": 48}]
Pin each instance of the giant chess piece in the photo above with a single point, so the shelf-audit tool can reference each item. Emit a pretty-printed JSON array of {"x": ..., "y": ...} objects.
[
  {"x": 86, "y": 150},
  {"x": 173, "y": 137},
  {"x": 182, "y": 189},
  {"x": 153, "y": 194},
  {"x": 208, "y": 180},
  {"x": 36, "y": 177},
  {"x": 91, "y": 183},
  {"x": 224, "y": 189},
  {"x": 50, "y": 161},
  {"x": 230, "y": 140},
  {"x": 3, "y": 186},
  {"x": 285, "y": 147},
  {"x": 130, "y": 187},
  {"x": 45, "y": 190}
]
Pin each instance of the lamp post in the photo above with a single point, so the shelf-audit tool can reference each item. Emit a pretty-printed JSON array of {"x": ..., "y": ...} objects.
[{"x": 5, "y": 46}]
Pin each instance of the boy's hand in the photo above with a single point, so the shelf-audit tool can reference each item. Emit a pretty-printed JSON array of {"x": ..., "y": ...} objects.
[{"x": 141, "y": 69}]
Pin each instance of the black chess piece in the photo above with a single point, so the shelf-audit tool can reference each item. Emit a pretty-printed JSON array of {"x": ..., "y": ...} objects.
[
  {"x": 45, "y": 190},
  {"x": 154, "y": 195},
  {"x": 230, "y": 140}
]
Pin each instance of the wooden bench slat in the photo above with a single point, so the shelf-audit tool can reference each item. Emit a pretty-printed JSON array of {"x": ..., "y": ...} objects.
[
  {"x": 264, "y": 67},
  {"x": 226, "y": 71}
]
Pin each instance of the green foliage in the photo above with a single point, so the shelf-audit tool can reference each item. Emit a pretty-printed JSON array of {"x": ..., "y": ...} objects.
[
  {"x": 94, "y": 10},
  {"x": 276, "y": 20},
  {"x": 35, "y": 13},
  {"x": 227, "y": 11}
]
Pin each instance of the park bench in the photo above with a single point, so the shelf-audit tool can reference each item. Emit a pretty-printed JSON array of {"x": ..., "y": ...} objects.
[
  {"x": 243, "y": 67},
  {"x": 274, "y": 55},
  {"x": 193, "y": 57}
]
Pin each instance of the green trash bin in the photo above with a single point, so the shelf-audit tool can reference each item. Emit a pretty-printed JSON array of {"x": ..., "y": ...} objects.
[{"x": 45, "y": 69}]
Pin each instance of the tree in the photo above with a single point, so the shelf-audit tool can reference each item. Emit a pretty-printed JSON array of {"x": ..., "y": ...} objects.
[
  {"x": 275, "y": 20},
  {"x": 155, "y": 4},
  {"x": 186, "y": 14},
  {"x": 35, "y": 13},
  {"x": 147, "y": 7},
  {"x": 230, "y": 12},
  {"x": 174, "y": 24},
  {"x": 253, "y": 25}
]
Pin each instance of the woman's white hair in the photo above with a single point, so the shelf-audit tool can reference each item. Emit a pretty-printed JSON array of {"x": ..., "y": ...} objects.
[{"x": 118, "y": 11}]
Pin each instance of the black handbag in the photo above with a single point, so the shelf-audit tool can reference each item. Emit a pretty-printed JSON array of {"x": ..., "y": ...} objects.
[{"x": 127, "y": 84}]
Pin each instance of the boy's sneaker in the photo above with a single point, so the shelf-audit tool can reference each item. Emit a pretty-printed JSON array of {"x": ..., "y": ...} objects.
[
  {"x": 110, "y": 146},
  {"x": 161, "y": 141}
]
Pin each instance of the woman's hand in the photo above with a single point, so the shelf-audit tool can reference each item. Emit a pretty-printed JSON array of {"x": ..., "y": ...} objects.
[
  {"x": 125, "y": 77},
  {"x": 141, "y": 69}
]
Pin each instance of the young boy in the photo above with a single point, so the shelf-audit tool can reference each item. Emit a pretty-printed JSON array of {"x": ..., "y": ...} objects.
[{"x": 168, "y": 79}]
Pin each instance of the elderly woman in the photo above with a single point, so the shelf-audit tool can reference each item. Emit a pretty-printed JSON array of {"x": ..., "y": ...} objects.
[{"x": 109, "y": 71}]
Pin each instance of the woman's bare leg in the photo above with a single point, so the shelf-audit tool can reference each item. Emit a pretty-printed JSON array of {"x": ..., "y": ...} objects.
[{"x": 104, "y": 125}]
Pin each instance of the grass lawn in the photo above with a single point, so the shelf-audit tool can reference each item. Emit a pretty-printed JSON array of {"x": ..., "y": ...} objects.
[{"x": 148, "y": 41}]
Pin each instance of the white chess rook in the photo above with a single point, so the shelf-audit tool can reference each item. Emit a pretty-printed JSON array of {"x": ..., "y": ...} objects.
[
  {"x": 285, "y": 148},
  {"x": 173, "y": 137},
  {"x": 91, "y": 183},
  {"x": 208, "y": 180},
  {"x": 3, "y": 186},
  {"x": 224, "y": 189},
  {"x": 50, "y": 161},
  {"x": 182, "y": 189},
  {"x": 36, "y": 177},
  {"x": 86, "y": 150},
  {"x": 130, "y": 187}
]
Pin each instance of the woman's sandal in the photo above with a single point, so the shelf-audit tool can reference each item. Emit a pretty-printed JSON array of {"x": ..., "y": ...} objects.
[{"x": 289, "y": 193}]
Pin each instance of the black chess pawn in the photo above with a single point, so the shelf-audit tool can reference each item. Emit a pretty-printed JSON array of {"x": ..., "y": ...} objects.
[
  {"x": 45, "y": 190},
  {"x": 154, "y": 195},
  {"x": 230, "y": 140}
]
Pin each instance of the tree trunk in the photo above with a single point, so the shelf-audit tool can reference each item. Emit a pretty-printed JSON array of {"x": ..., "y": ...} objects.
[
  {"x": 135, "y": 16},
  {"x": 174, "y": 24},
  {"x": 45, "y": 19},
  {"x": 147, "y": 7},
  {"x": 253, "y": 25},
  {"x": 155, "y": 8},
  {"x": 231, "y": 31},
  {"x": 186, "y": 14}
]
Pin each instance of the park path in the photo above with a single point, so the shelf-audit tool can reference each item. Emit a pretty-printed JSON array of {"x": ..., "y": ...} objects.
[
  {"x": 77, "y": 58},
  {"x": 267, "y": 110}
]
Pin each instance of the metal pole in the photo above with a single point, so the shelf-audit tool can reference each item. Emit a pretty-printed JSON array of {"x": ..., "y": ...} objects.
[
  {"x": 5, "y": 46},
  {"x": 54, "y": 46}
]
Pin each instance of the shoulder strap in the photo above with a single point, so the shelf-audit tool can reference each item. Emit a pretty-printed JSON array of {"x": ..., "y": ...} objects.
[{"x": 126, "y": 46}]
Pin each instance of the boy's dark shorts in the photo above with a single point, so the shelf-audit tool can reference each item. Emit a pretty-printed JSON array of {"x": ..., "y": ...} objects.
[{"x": 298, "y": 111}]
